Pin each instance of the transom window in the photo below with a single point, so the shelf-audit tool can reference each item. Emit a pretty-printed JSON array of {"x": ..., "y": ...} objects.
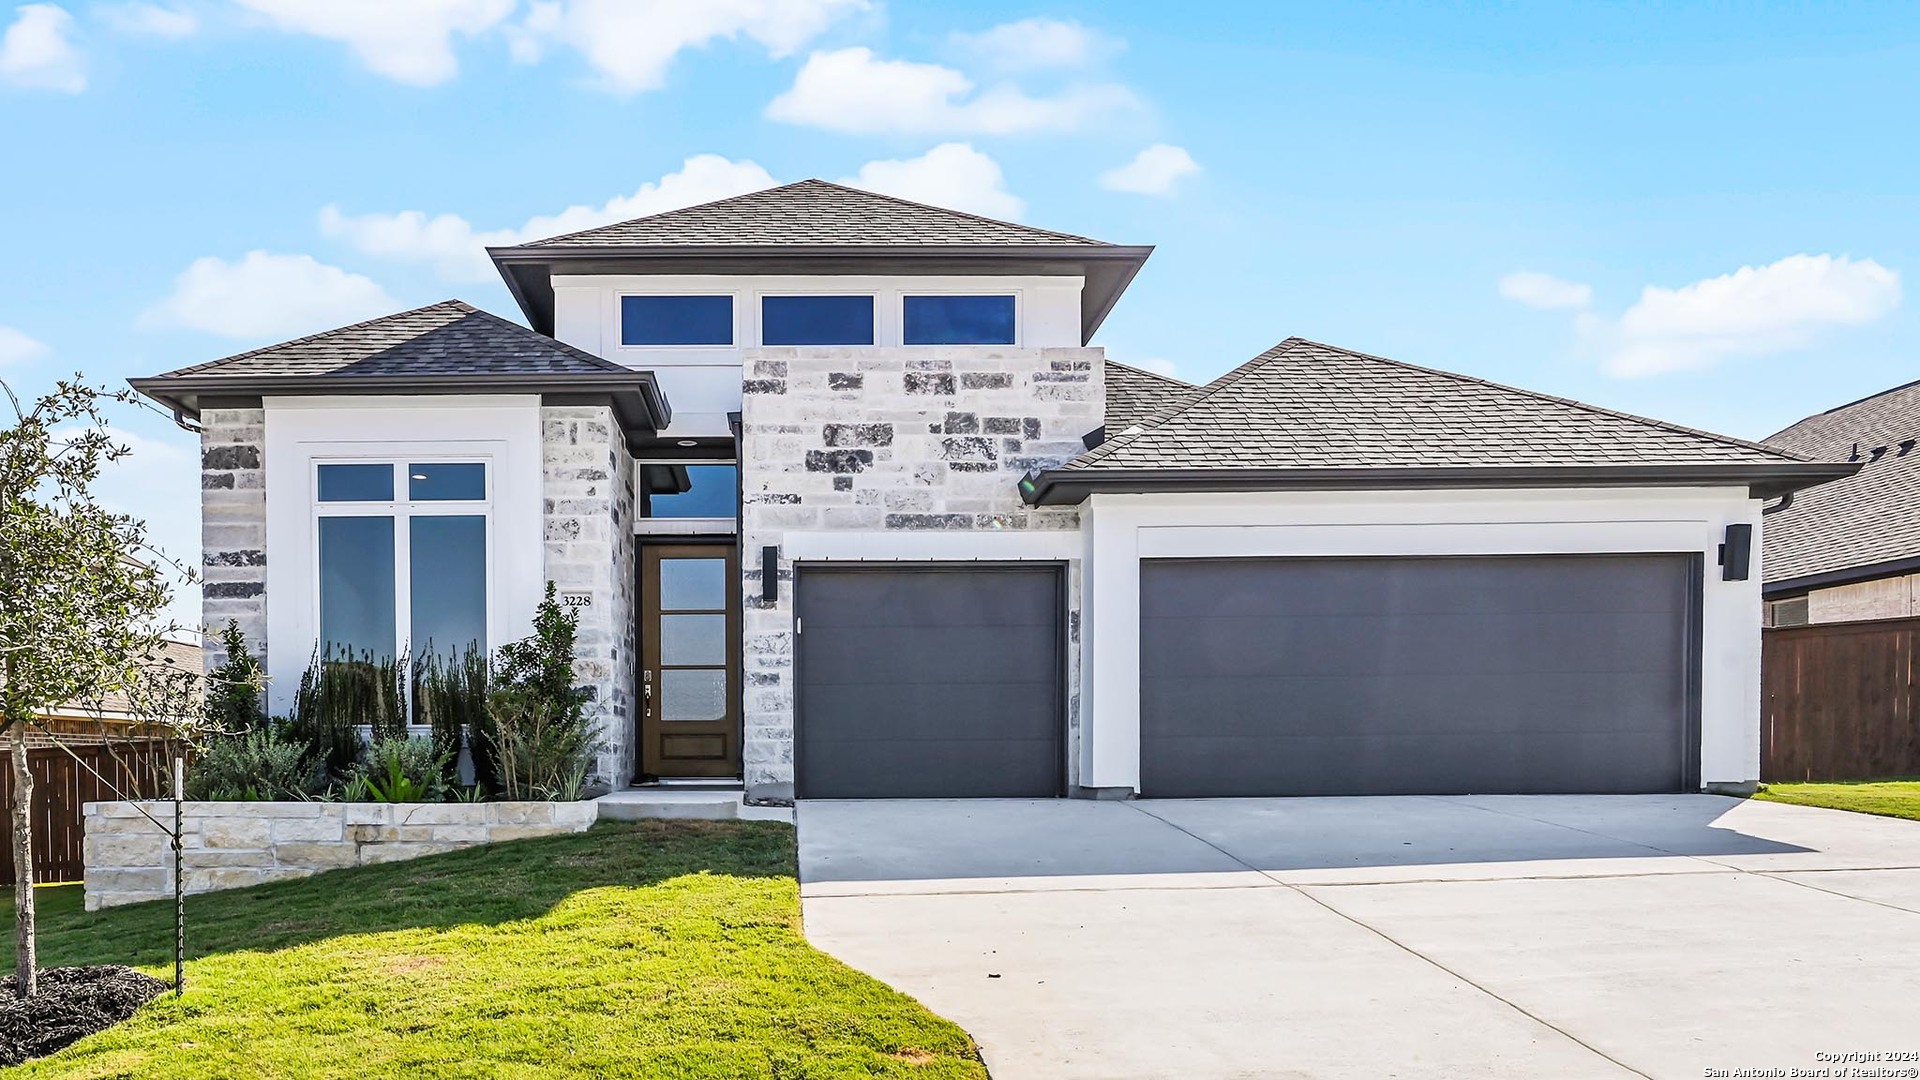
[
  {"x": 816, "y": 320},
  {"x": 957, "y": 320},
  {"x": 676, "y": 320},
  {"x": 402, "y": 558},
  {"x": 690, "y": 489}
]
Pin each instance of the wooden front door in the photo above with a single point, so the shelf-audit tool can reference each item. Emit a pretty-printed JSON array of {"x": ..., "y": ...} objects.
[{"x": 690, "y": 660}]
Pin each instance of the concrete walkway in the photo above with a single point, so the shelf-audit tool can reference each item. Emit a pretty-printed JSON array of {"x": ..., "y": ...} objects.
[{"x": 1513, "y": 936}]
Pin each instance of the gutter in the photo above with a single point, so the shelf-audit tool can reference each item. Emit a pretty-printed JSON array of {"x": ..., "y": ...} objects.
[
  {"x": 1774, "y": 590},
  {"x": 1068, "y": 487}
]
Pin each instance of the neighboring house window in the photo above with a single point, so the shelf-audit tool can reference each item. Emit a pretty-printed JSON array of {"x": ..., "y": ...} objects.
[
  {"x": 676, "y": 320},
  {"x": 1791, "y": 612},
  {"x": 691, "y": 489},
  {"x": 402, "y": 557},
  {"x": 816, "y": 320},
  {"x": 957, "y": 320}
]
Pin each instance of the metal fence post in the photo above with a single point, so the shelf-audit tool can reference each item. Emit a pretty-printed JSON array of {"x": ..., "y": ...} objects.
[{"x": 179, "y": 887}]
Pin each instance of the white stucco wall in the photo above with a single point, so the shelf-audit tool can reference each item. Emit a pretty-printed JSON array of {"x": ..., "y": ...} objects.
[
  {"x": 503, "y": 431},
  {"x": 1117, "y": 531},
  {"x": 704, "y": 383}
]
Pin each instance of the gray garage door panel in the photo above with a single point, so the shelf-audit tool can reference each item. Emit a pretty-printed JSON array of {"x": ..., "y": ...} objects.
[
  {"x": 1417, "y": 676},
  {"x": 928, "y": 683}
]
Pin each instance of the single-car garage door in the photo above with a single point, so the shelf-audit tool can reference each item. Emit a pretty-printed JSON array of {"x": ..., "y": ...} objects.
[
  {"x": 1387, "y": 676},
  {"x": 928, "y": 682}
]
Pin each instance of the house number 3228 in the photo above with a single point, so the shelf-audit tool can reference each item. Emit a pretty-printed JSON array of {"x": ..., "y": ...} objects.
[{"x": 577, "y": 599}]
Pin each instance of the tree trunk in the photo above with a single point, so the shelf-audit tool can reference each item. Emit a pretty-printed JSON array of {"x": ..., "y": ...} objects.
[{"x": 25, "y": 952}]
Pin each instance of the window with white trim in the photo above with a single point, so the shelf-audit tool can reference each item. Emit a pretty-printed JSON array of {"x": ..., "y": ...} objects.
[{"x": 401, "y": 557}]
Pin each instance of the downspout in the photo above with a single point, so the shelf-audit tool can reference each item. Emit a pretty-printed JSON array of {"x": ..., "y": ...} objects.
[{"x": 1785, "y": 501}]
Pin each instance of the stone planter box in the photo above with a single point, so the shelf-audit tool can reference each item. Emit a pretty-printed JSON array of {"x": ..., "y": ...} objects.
[{"x": 230, "y": 845}]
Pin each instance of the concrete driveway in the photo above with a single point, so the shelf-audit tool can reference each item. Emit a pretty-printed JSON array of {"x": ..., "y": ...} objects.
[{"x": 1504, "y": 936}]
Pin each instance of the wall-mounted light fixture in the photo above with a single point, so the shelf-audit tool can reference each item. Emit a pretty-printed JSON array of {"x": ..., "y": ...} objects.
[
  {"x": 1736, "y": 554},
  {"x": 770, "y": 573}
]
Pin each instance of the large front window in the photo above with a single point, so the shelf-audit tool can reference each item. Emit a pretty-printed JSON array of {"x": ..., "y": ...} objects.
[{"x": 402, "y": 549}]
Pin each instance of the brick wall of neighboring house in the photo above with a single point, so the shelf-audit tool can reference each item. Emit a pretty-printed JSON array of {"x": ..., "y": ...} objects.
[
  {"x": 1884, "y": 598},
  {"x": 233, "y": 526},
  {"x": 871, "y": 441},
  {"x": 588, "y": 492}
]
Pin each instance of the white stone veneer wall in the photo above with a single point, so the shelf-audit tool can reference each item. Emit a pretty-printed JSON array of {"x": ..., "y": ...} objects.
[
  {"x": 231, "y": 845},
  {"x": 588, "y": 495},
  {"x": 928, "y": 439},
  {"x": 233, "y": 526}
]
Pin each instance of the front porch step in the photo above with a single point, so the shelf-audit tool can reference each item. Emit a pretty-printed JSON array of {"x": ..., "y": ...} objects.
[{"x": 637, "y": 804}]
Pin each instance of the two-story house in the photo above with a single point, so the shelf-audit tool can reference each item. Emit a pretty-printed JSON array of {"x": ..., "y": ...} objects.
[{"x": 850, "y": 508}]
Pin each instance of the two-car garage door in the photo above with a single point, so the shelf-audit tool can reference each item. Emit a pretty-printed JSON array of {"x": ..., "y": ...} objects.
[
  {"x": 1322, "y": 676},
  {"x": 1385, "y": 676}
]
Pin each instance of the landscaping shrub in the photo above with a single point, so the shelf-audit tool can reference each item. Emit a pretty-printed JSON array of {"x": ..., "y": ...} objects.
[
  {"x": 234, "y": 688},
  {"x": 450, "y": 697},
  {"x": 542, "y": 746},
  {"x": 335, "y": 696},
  {"x": 400, "y": 770},
  {"x": 261, "y": 765}
]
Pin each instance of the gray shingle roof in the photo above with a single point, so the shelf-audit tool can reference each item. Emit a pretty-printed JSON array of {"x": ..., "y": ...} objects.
[
  {"x": 812, "y": 212},
  {"x": 1134, "y": 395},
  {"x": 1869, "y": 518},
  {"x": 1306, "y": 405},
  {"x": 448, "y": 338}
]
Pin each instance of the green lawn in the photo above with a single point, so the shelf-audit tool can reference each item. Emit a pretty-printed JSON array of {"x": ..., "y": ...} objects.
[
  {"x": 1888, "y": 798},
  {"x": 656, "y": 949}
]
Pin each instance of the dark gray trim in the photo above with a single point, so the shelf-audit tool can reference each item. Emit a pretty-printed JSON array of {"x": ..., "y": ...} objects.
[
  {"x": 1068, "y": 487},
  {"x": 229, "y": 401},
  {"x": 1696, "y": 666},
  {"x": 635, "y": 396},
  {"x": 1785, "y": 588},
  {"x": 1107, "y": 268}
]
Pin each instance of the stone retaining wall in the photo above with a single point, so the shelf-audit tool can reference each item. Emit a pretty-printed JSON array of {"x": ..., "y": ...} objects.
[{"x": 230, "y": 845}]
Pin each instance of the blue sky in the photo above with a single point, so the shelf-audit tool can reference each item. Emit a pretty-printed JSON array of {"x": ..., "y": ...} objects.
[{"x": 1702, "y": 216}]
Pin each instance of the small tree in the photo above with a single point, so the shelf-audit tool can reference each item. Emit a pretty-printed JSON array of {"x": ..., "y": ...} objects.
[
  {"x": 79, "y": 615},
  {"x": 536, "y": 715}
]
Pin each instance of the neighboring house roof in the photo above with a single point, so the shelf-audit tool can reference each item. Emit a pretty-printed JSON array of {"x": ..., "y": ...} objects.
[
  {"x": 1136, "y": 394},
  {"x": 447, "y": 348},
  {"x": 816, "y": 227},
  {"x": 113, "y": 715},
  {"x": 1860, "y": 527},
  {"x": 1303, "y": 414}
]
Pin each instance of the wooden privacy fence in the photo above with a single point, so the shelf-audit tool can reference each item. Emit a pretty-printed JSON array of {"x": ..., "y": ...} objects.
[
  {"x": 1840, "y": 701},
  {"x": 62, "y": 786}
]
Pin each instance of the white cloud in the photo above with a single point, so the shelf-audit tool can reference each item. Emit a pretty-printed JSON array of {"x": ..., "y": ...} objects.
[
  {"x": 458, "y": 250},
  {"x": 37, "y": 51},
  {"x": 409, "y": 42},
  {"x": 632, "y": 42},
  {"x": 16, "y": 347},
  {"x": 265, "y": 296},
  {"x": 852, "y": 90},
  {"x": 1153, "y": 171},
  {"x": 1754, "y": 311},
  {"x": 1036, "y": 44},
  {"x": 1545, "y": 291},
  {"x": 151, "y": 20},
  {"x": 954, "y": 175}
]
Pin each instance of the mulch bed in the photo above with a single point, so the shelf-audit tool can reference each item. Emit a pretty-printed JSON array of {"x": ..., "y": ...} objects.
[{"x": 72, "y": 1003}]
